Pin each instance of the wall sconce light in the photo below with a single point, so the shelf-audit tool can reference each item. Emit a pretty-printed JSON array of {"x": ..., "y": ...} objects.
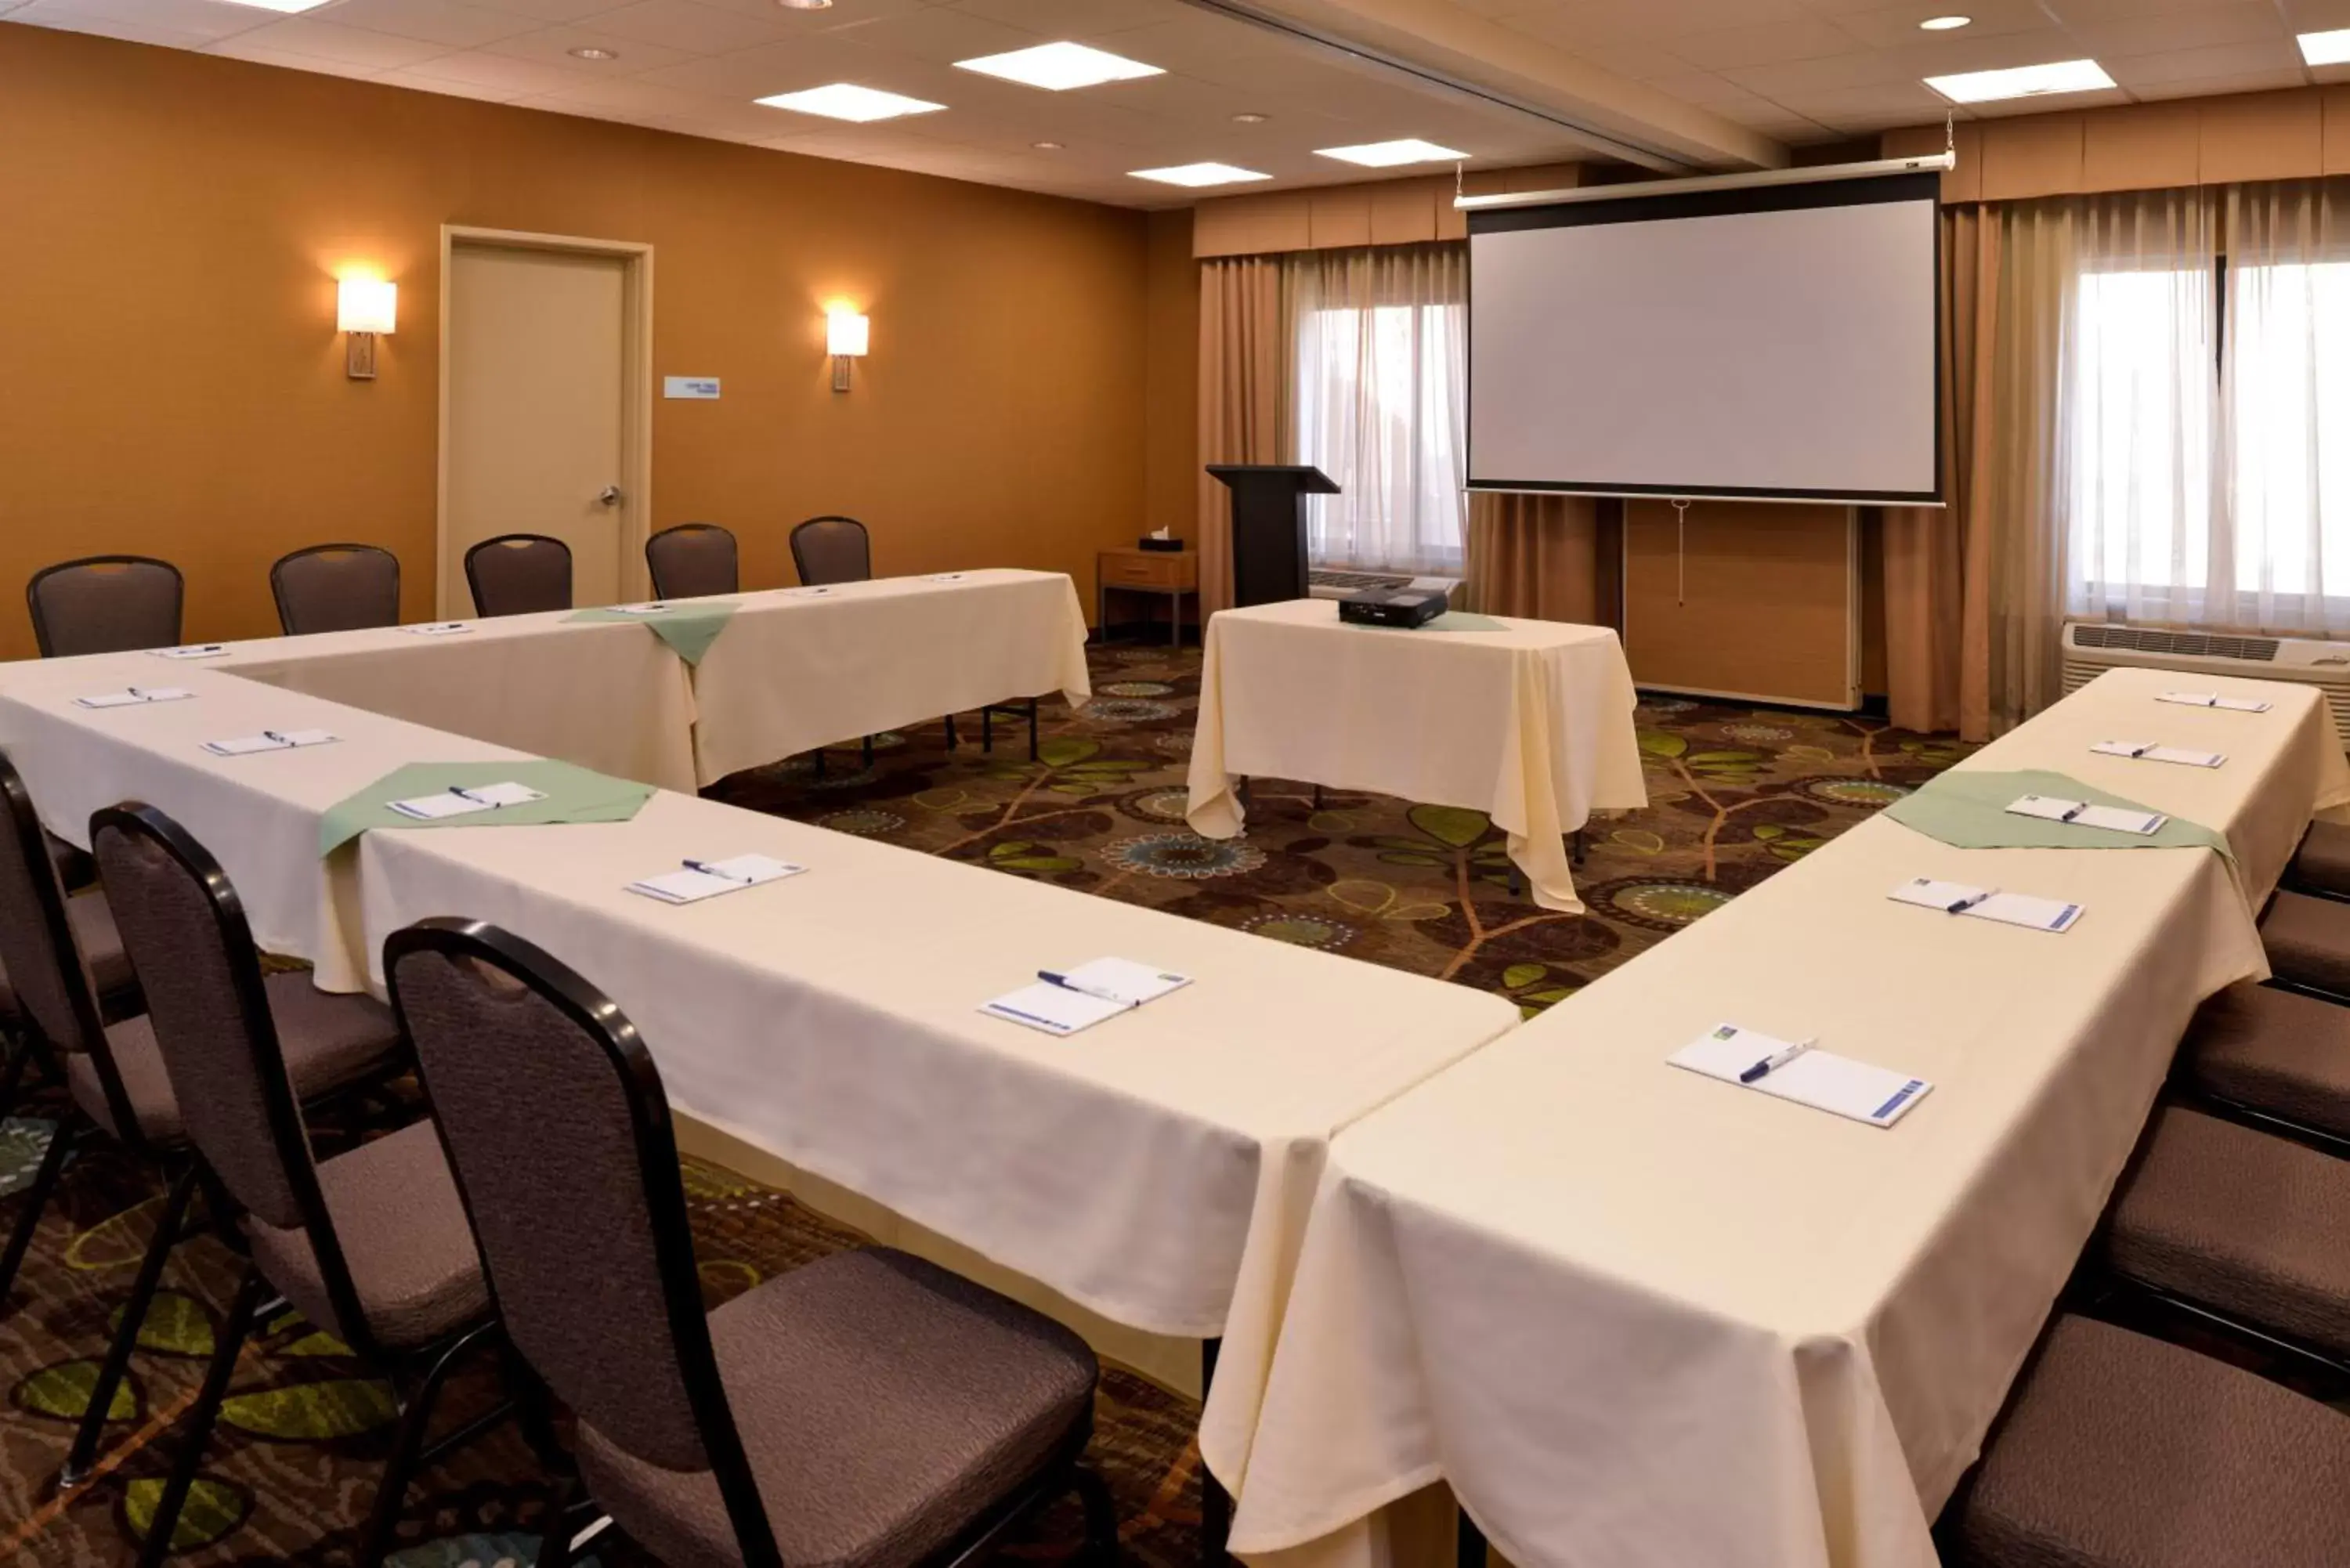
[
  {"x": 845, "y": 335},
  {"x": 363, "y": 308}
]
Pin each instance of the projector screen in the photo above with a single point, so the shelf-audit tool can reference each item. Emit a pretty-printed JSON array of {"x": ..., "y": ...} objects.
[{"x": 1771, "y": 342}]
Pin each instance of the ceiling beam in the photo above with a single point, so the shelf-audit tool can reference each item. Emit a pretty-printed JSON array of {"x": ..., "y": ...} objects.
[{"x": 1453, "y": 47}]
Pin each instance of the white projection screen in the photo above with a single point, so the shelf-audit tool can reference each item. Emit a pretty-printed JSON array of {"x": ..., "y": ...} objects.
[{"x": 1772, "y": 342}]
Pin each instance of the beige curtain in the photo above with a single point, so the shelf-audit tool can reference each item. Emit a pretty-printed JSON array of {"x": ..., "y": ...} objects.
[
  {"x": 1534, "y": 555},
  {"x": 1243, "y": 397}
]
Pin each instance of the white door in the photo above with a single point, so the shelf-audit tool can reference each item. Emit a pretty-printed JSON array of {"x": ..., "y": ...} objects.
[{"x": 538, "y": 413}]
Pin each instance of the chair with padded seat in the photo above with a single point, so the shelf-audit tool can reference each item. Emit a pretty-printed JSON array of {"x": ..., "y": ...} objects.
[
  {"x": 519, "y": 574},
  {"x": 336, "y": 588},
  {"x": 868, "y": 1410},
  {"x": 79, "y": 980},
  {"x": 105, "y": 604},
  {"x": 2239, "y": 1228},
  {"x": 692, "y": 560},
  {"x": 370, "y": 1245},
  {"x": 2322, "y": 864},
  {"x": 2117, "y": 1450},
  {"x": 2308, "y": 942},
  {"x": 2276, "y": 1057}
]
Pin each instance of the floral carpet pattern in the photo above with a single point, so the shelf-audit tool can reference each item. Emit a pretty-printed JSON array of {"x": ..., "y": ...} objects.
[{"x": 1736, "y": 795}]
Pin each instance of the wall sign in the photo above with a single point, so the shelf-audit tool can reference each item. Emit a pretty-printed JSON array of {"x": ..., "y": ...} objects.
[{"x": 690, "y": 387}]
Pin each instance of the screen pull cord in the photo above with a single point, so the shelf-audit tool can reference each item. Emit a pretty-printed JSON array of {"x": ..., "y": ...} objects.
[{"x": 1680, "y": 552}]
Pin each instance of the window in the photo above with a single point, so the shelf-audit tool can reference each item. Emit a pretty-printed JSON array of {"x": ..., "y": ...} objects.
[
  {"x": 1378, "y": 341},
  {"x": 2288, "y": 401}
]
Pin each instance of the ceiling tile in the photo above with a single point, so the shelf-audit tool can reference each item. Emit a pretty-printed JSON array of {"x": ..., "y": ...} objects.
[
  {"x": 1073, "y": 19},
  {"x": 2314, "y": 15},
  {"x": 489, "y": 92},
  {"x": 1896, "y": 26},
  {"x": 439, "y": 21},
  {"x": 941, "y": 34},
  {"x": 552, "y": 46},
  {"x": 2209, "y": 27},
  {"x": 1785, "y": 83},
  {"x": 1765, "y": 45},
  {"x": 330, "y": 41},
  {"x": 2193, "y": 64},
  {"x": 177, "y": 24},
  {"x": 619, "y": 96},
  {"x": 2216, "y": 86},
  {"x": 512, "y": 79},
  {"x": 244, "y": 48},
  {"x": 684, "y": 24}
]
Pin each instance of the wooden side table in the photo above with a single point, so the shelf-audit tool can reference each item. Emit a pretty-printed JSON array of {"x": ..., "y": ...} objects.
[{"x": 1170, "y": 572}]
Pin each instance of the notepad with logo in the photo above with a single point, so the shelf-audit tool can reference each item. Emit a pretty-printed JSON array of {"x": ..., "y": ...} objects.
[
  {"x": 1988, "y": 904},
  {"x": 2147, "y": 750},
  {"x": 193, "y": 650},
  {"x": 270, "y": 741},
  {"x": 2213, "y": 699},
  {"x": 700, "y": 879},
  {"x": 2112, "y": 818},
  {"x": 463, "y": 802},
  {"x": 1085, "y": 995},
  {"x": 1819, "y": 1079},
  {"x": 437, "y": 628},
  {"x": 652, "y": 606},
  {"x": 131, "y": 697}
]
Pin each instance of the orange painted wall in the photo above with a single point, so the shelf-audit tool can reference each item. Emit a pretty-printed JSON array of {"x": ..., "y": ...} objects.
[{"x": 170, "y": 381}]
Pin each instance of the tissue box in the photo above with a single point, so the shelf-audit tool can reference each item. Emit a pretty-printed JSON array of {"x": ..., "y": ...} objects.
[{"x": 1148, "y": 543}]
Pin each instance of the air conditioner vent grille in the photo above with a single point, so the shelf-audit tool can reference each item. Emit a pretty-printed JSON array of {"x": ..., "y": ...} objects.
[{"x": 2198, "y": 644}]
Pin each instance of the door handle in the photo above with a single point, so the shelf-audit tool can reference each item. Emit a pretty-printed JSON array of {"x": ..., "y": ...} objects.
[{"x": 610, "y": 495}]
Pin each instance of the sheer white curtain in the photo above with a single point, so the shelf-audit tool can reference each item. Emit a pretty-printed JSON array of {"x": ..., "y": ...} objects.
[
  {"x": 1381, "y": 379},
  {"x": 2138, "y": 404},
  {"x": 2287, "y": 404}
]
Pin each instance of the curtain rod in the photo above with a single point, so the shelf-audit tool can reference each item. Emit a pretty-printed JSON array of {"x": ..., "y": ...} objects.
[{"x": 1876, "y": 169}]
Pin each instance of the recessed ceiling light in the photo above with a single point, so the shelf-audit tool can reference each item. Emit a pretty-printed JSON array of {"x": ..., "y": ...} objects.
[
  {"x": 1944, "y": 23},
  {"x": 805, "y": 5},
  {"x": 1388, "y": 154},
  {"x": 2022, "y": 81},
  {"x": 1250, "y": 117},
  {"x": 1198, "y": 174},
  {"x": 2326, "y": 48},
  {"x": 1046, "y": 146},
  {"x": 1057, "y": 67},
  {"x": 592, "y": 53},
  {"x": 847, "y": 100}
]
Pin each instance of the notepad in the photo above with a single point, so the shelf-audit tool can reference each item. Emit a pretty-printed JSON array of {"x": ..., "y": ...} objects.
[
  {"x": 1819, "y": 1079},
  {"x": 270, "y": 741},
  {"x": 132, "y": 696},
  {"x": 2113, "y": 818},
  {"x": 653, "y": 606},
  {"x": 944, "y": 577},
  {"x": 708, "y": 878},
  {"x": 466, "y": 801},
  {"x": 437, "y": 628},
  {"x": 817, "y": 593},
  {"x": 2147, "y": 750},
  {"x": 1102, "y": 989},
  {"x": 1988, "y": 904},
  {"x": 2213, "y": 699},
  {"x": 193, "y": 650}
]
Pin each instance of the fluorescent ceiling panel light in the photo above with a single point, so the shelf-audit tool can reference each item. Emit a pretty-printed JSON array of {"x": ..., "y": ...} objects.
[
  {"x": 1944, "y": 23},
  {"x": 845, "y": 101},
  {"x": 2326, "y": 48},
  {"x": 1388, "y": 154},
  {"x": 1198, "y": 174},
  {"x": 1057, "y": 67},
  {"x": 2022, "y": 81},
  {"x": 287, "y": 6}
]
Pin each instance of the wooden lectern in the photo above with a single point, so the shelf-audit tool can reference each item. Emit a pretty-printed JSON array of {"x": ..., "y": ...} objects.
[{"x": 1269, "y": 527}]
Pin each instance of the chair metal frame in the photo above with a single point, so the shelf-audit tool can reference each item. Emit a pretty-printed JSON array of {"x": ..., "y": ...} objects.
[
  {"x": 278, "y": 580},
  {"x": 663, "y": 1194},
  {"x": 652, "y": 566},
  {"x": 472, "y": 575},
  {"x": 41, "y": 636},
  {"x": 416, "y": 1374}
]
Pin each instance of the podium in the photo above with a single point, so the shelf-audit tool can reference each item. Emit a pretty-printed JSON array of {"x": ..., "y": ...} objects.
[{"x": 1269, "y": 527}]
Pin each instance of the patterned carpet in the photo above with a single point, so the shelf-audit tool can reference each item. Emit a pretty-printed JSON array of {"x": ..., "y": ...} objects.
[{"x": 1736, "y": 794}]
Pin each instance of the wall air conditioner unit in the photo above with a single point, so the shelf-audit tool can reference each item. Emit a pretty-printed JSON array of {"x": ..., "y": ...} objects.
[{"x": 2091, "y": 648}]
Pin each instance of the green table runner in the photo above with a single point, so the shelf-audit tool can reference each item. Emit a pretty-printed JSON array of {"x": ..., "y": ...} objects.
[
  {"x": 1464, "y": 621},
  {"x": 1970, "y": 810},
  {"x": 573, "y": 794},
  {"x": 689, "y": 628}
]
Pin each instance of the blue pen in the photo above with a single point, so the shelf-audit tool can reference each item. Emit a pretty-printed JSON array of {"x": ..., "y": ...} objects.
[
  {"x": 707, "y": 870},
  {"x": 1771, "y": 1064},
  {"x": 1066, "y": 984}
]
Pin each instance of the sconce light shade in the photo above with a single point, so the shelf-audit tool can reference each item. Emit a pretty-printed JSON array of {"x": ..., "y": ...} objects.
[
  {"x": 366, "y": 304},
  {"x": 845, "y": 333}
]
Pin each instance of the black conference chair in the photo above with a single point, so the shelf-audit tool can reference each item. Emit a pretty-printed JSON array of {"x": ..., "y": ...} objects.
[
  {"x": 519, "y": 574},
  {"x": 105, "y": 604},
  {"x": 692, "y": 560},
  {"x": 863, "y": 1410},
  {"x": 336, "y": 588},
  {"x": 832, "y": 550},
  {"x": 371, "y": 1246}
]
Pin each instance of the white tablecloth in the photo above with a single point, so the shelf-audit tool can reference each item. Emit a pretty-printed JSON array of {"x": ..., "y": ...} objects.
[
  {"x": 1643, "y": 1319},
  {"x": 794, "y": 670},
  {"x": 1531, "y": 724},
  {"x": 258, "y": 815}
]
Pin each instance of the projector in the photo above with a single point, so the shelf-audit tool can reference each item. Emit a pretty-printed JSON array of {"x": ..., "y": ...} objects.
[{"x": 1392, "y": 607}]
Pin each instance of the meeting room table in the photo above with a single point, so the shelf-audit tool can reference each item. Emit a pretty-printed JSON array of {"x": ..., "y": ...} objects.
[
  {"x": 1642, "y": 1317},
  {"x": 1529, "y": 722}
]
